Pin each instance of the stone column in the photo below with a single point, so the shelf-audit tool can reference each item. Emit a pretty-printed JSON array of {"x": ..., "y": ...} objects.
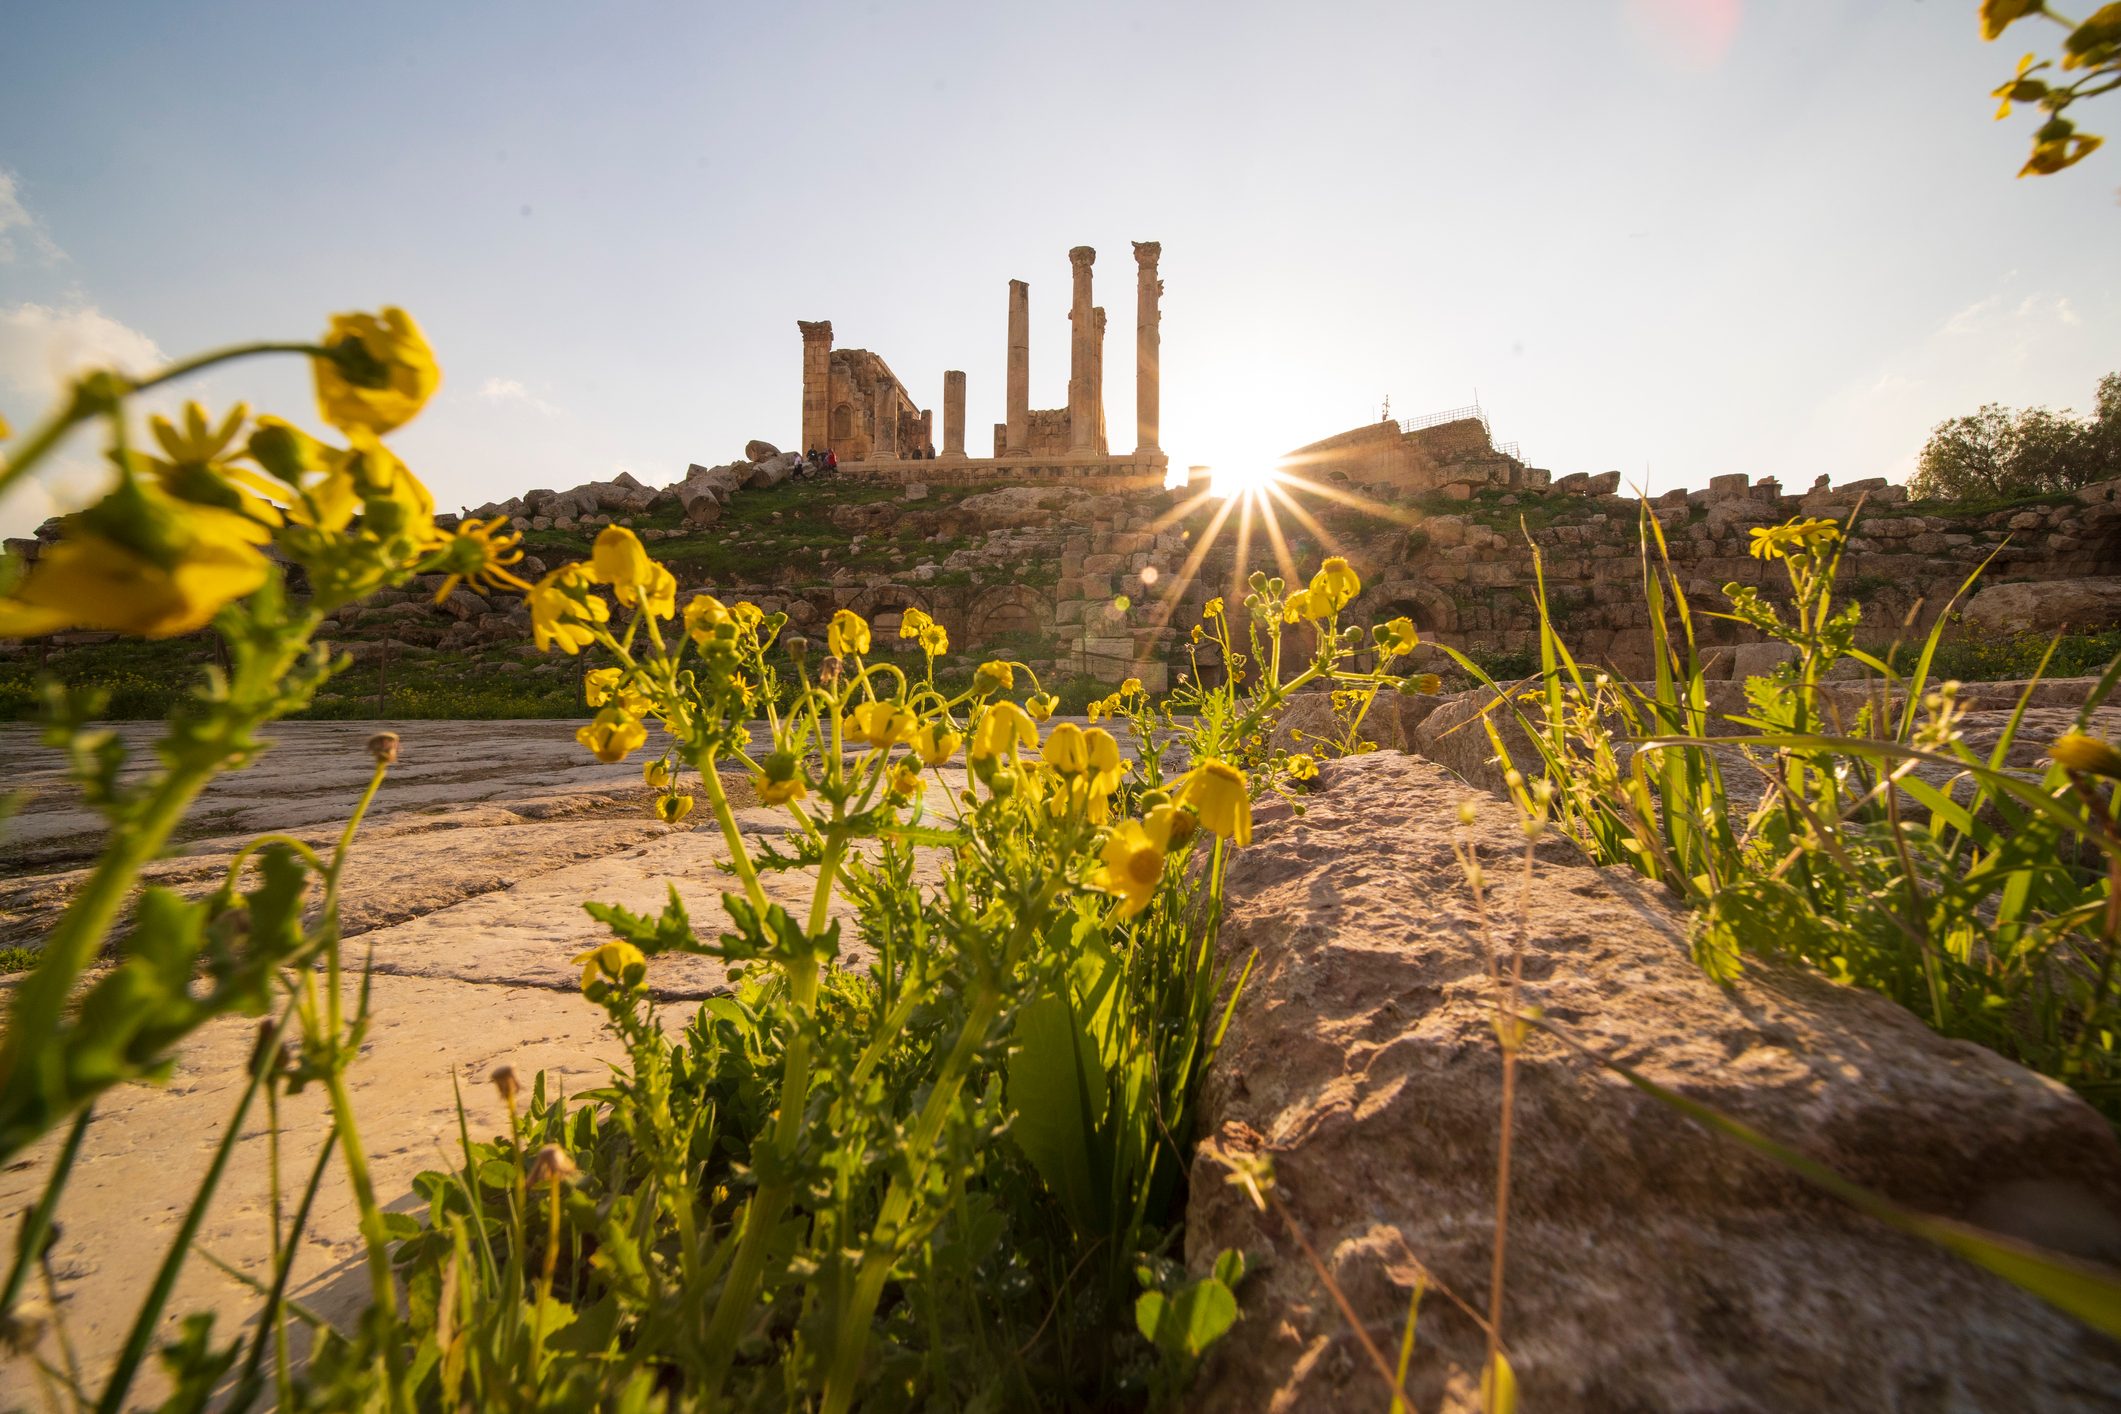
[
  {"x": 1148, "y": 344},
  {"x": 927, "y": 433},
  {"x": 953, "y": 416},
  {"x": 817, "y": 383},
  {"x": 883, "y": 446},
  {"x": 1097, "y": 379},
  {"x": 1019, "y": 409},
  {"x": 1082, "y": 434}
]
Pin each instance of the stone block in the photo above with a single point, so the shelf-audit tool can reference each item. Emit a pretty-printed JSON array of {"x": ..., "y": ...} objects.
[
  {"x": 1736, "y": 483},
  {"x": 1605, "y": 483}
]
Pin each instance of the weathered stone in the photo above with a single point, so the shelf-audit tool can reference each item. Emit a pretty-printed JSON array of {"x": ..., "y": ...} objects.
[
  {"x": 2012, "y": 609},
  {"x": 1652, "y": 1265},
  {"x": 757, "y": 451}
]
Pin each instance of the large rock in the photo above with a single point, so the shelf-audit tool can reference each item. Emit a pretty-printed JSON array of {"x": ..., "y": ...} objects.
[
  {"x": 1013, "y": 507},
  {"x": 2012, "y": 609},
  {"x": 757, "y": 451},
  {"x": 772, "y": 471},
  {"x": 1652, "y": 1265}
]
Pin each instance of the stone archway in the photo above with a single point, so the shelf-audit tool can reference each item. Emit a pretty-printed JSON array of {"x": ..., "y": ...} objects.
[
  {"x": 842, "y": 422},
  {"x": 885, "y": 606},
  {"x": 1008, "y": 610},
  {"x": 1432, "y": 610}
]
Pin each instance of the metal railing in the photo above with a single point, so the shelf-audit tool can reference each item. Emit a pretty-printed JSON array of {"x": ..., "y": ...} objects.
[{"x": 1437, "y": 419}]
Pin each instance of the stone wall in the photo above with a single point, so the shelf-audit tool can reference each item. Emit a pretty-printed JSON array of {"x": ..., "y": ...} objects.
[{"x": 1106, "y": 571}]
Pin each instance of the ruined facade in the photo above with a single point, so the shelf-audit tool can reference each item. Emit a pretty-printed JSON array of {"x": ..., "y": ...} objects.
[
  {"x": 840, "y": 386},
  {"x": 1451, "y": 454},
  {"x": 855, "y": 406}
]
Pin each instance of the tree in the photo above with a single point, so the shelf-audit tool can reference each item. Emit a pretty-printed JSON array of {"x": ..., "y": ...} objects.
[{"x": 1999, "y": 452}]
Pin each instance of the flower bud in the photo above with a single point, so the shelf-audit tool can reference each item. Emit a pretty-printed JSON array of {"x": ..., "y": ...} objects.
[
  {"x": 798, "y": 646},
  {"x": 828, "y": 672},
  {"x": 551, "y": 1164},
  {"x": 2075, "y": 751},
  {"x": 383, "y": 746},
  {"x": 504, "y": 1081}
]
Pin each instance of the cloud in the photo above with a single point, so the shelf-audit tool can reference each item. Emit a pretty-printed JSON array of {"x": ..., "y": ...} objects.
[
  {"x": 511, "y": 390},
  {"x": 41, "y": 348},
  {"x": 19, "y": 229}
]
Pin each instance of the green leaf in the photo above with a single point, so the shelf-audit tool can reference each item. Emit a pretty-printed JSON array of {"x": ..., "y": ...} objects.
[
  {"x": 1182, "y": 1324},
  {"x": 1059, "y": 1082}
]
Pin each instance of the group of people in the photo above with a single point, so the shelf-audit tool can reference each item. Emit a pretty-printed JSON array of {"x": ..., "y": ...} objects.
[{"x": 825, "y": 459}]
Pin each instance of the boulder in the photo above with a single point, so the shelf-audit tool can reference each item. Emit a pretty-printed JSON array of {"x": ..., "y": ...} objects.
[
  {"x": 1013, "y": 507},
  {"x": 756, "y": 451},
  {"x": 1651, "y": 1264},
  {"x": 2007, "y": 610},
  {"x": 1605, "y": 483},
  {"x": 772, "y": 471}
]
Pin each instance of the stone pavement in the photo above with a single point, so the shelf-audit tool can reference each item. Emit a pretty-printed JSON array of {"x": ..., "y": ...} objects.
[{"x": 466, "y": 886}]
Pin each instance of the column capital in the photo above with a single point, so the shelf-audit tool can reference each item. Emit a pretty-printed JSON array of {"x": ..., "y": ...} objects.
[
  {"x": 1148, "y": 252},
  {"x": 1081, "y": 256},
  {"x": 815, "y": 329}
]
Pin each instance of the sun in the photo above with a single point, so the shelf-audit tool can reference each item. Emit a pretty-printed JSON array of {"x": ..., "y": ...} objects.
[{"x": 1247, "y": 479}]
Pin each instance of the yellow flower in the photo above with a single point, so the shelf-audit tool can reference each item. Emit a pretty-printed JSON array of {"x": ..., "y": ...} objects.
[
  {"x": 1131, "y": 687},
  {"x": 1302, "y": 768},
  {"x": 603, "y": 686},
  {"x": 2075, "y": 751},
  {"x": 1297, "y": 607},
  {"x": 619, "y": 560},
  {"x": 195, "y": 466},
  {"x": 615, "y": 962},
  {"x": 480, "y": 552},
  {"x": 672, "y": 808},
  {"x": 379, "y": 373},
  {"x": 992, "y": 677},
  {"x": 1334, "y": 586},
  {"x": 1041, "y": 706},
  {"x": 1132, "y": 862},
  {"x": 1221, "y": 796},
  {"x": 612, "y": 736},
  {"x": 703, "y": 615},
  {"x": 882, "y": 725},
  {"x": 848, "y": 634},
  {"x": 1066, "y": 751},
  {"x": 935, "y": 640},
  {"x": 562, "y": 609},
  {"x": 747, "y": 616},
  {"x": 138, "y": 562},
  {"x": 324, "y": 487},
  {"x": 1002, "y": 730},
  {"x": 1397, "y": 637},
  {"x": 1214, "y": 609},
  {"x": 394, "y": 502},
  {"x": 1106, "y": 767},
  {"x": 1795, "y": 537},
  {"x": 2056, "y": 145},
  {"x": 1199, "y": 633},
  {"x": 658, "y": 772},
  {"x": 905, "y": 782},
  {"x": 935, "y": 743},
  {"x": 779, "y": 783},
  {"x": 913, "y": 623}
]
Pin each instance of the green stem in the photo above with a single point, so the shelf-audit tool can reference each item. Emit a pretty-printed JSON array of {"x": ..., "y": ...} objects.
[
  {"x": 853, "y": 1333},
  {"x": 150, "y": 1315},
  {"x": 39, "y": 1222},
  {"x": 40, "y": 1005}
]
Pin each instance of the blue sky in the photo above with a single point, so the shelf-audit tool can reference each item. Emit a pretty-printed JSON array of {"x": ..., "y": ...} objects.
[{"x": 1674, "y": 237}]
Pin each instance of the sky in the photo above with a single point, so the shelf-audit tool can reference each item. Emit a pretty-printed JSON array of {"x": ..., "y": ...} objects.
[{"x": 1677, "y": 238}]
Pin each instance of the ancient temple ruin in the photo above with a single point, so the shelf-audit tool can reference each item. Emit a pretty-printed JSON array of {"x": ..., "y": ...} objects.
[{"x": 854, "y": 406}]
